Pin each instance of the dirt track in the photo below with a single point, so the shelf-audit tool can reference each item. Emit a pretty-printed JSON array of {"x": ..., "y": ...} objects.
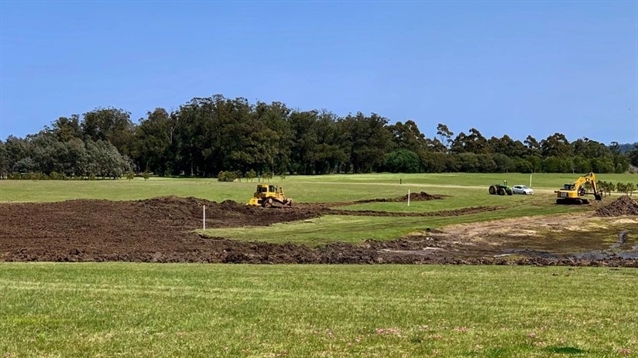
[{"x": 156, "y": 230}]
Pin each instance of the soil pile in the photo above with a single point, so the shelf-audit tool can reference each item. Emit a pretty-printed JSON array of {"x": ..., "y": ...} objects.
[
  {"x": 189, "y": 211},
  {"x": 144, "y": 230},
  {"x": 422, "y": 196},
  {"x": 440, "y": 213},
  {"x": 624, "y": 205}
]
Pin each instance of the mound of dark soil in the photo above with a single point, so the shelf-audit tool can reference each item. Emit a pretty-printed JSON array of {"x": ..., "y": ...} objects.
[
  {"x": 422, "y": 196},
  {"x": 143, "y": 230},
  {"x": 225, "y": 214},
  {"x": 624, "y": 205},
  {"x": 440, "y": 213}
]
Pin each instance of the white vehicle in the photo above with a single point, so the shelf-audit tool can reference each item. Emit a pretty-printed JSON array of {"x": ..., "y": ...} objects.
[{"x": 522, "y": 189}]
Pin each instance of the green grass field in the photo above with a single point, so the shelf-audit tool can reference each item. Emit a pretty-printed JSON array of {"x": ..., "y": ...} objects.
[
  {"x": 114, "y": 309},
  {"x": 325, "y": 188},
  {"x": 329, "y": 188},
  {"x": 155, "y": 310},
  {"x": 337, "y": 228}
]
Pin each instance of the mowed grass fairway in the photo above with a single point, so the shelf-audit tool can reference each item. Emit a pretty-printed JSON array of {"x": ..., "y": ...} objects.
[
  {"x": 154, "y": 310},
  {"x": 323, "y": 188}
]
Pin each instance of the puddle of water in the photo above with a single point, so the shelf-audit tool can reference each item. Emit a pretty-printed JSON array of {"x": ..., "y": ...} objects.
[{"x": 616, "y": 240}]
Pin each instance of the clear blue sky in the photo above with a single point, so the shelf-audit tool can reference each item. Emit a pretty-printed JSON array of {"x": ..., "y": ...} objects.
[{"x": 515, "y": 67}]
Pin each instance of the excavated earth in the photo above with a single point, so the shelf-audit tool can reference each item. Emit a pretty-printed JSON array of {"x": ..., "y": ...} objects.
[
  {"x": 624, "y": 205},
  {"x": 160, "y": 230}
]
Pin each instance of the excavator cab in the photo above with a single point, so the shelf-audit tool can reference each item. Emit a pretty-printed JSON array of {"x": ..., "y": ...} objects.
[{"x": 269, "y": 195}]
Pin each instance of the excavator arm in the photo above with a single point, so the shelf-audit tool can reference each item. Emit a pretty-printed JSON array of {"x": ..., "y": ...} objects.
[
  {"x": 594, "y": 185},
  {"x": 591, "y": 178}
]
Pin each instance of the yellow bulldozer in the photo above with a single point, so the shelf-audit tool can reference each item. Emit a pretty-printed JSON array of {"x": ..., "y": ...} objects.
[
  {"x": 270, "y": 196},
  {"x": 573, "y": 193}
]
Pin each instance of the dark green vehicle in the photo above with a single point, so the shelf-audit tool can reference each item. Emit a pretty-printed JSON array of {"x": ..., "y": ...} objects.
[{"x": 500, "y": 189}]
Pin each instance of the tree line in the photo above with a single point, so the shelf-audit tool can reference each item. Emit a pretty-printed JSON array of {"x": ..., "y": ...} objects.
[
  {"x": 609, "y": 187},
  {"x": 208, "y": 136}
]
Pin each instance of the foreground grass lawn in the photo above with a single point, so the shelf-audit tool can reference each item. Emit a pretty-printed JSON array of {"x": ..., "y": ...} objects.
[{"x": 149, "y": 310}]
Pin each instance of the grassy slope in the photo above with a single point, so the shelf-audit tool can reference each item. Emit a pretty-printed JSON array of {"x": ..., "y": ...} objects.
[{"x": 310, "y": 311}]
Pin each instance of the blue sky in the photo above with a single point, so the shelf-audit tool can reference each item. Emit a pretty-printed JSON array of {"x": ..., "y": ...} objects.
[{"x": 503, "y": 67}]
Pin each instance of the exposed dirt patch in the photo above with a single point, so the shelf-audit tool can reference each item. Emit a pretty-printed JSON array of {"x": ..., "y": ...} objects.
[
  {"x": 155, "y": 230},
  {"x": 184, "y": 211},
  {"x": 557, "y": 237},
  {"x": 144, "y": 230},
  {"x": 422, "y": 196},
  {"x": 456, "y": 212},
  {"x": 158, "y": 230},
  {"x": 624, "y": 205}
]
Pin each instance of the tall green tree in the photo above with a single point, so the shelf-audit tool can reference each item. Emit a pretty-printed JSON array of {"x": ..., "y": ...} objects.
[
  {"x": 304, "y": 125},
  {"x": 112, "y": 125},
  {"x": 17, "y": 149},
  {"x": 408, "y": 136},
  {"x": 402, "y": 161},
  {"x": 154, "y": 146},
  {"x": 4, "y": 168},
  {"x": 330, "y": 153},
  {"x": 473, "y": 142},
  {"x": 533, "y": 146},
  {"x": 66, "y": 128},
  {"x": 556, "y": 145},
  {"x": 444, "y": 135},
  {"x": 368, "y": 140},
  {"x": 633, "y": 156}
]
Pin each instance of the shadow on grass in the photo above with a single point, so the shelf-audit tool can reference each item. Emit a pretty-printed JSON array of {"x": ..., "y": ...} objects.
[
  {"x": 565, "y": 350},
  {"x": 517, "y": 350}
]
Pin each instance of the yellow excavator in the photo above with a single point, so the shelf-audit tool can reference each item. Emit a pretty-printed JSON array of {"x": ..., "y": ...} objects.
[
  {"x": 573, "y": 193},
  {"x": 270, "y": 196}
]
